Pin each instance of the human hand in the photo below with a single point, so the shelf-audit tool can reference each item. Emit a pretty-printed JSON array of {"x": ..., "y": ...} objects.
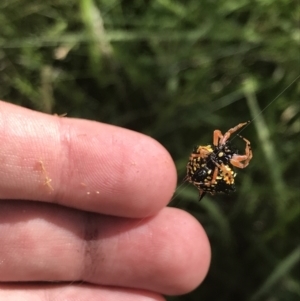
[{"x": 83, "y": 216}]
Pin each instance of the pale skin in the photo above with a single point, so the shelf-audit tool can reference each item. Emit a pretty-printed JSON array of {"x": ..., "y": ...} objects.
[{"x": 83, "y": 214}]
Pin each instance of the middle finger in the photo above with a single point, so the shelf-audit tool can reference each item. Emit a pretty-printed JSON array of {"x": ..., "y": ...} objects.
[{"x": 168, "y": 253}]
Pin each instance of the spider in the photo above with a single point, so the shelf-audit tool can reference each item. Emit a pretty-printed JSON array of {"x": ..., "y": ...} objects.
[{"x": 210, "y": 167}]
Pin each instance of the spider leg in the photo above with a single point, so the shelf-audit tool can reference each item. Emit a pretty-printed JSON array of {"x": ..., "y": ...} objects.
[
  {"x": 248, "y": 150},
  {"x": 202, "y": 152},
  {"x": 231, "y": 131},
  {"x": 215, "y": 174},
  {"x": 189, "y": 169},
  {"x": 186, "y": 179},
  {"x": 236, "y": 160},
  {"x": 217, "y": 135}
]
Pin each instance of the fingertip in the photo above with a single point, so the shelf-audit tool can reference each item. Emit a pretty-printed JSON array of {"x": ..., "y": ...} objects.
[
  {"x": 133, "y": 173},
  {"x": 157, "y": 180},
  {"x": 190, "y": 253},
  {"x": 199, "y": 254},
  {"x": 136, "y": 176}
]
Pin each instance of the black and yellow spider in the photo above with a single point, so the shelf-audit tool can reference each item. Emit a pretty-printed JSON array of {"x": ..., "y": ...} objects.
[{"x": 210, "y": 167}]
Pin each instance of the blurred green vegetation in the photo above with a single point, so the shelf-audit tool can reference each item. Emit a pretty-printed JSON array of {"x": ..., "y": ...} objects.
[{"x": 177, "y": 70}]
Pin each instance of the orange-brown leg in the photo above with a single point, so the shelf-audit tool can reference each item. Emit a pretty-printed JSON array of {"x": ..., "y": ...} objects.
[
  {"x": 231, "y": 131},
  {"x": 248, "y": 150},
  {"x": 203, "y": 152},
  {"x": 236, "y": 160},
  {"x": 217, "y": 136},
  {"x": 214, "y": 177}
]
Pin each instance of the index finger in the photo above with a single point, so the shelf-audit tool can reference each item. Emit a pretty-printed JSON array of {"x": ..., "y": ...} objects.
[{"x": 83, "y": 164}]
